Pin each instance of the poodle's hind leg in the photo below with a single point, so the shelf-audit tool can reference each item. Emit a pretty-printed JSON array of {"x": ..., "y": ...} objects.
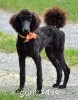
[
  {"x": 52, "y": 58},
  {"x": 65, "y": 69}
]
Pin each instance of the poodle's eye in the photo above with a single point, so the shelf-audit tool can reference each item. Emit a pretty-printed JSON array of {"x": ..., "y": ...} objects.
[{"x": 21, "y": 18}]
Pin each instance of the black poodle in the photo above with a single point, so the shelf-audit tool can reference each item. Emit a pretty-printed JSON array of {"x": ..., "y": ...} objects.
[{"x": 49, "y": 37}]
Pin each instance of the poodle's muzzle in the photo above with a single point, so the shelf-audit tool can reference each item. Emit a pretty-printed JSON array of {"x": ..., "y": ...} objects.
[{"x": 26, "y": 26}]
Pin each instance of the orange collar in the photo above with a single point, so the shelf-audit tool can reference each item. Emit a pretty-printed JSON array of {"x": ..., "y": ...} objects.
[{"x": 28, "y": 37}]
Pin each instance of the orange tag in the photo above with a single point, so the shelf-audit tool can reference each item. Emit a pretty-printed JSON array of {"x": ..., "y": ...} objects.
[{"x": 30, "y": 36}]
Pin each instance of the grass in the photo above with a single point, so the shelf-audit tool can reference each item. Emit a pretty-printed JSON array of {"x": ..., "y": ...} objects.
[
  {"x": 9, "y": 96},
  {"x": 71, "y": 6},
  {"x": 8, "y": 44},
  {"x": 71, "y": 56}
]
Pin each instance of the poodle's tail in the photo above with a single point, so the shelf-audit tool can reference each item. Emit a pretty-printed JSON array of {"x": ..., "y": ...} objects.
[{"x": 55, "y": 16}]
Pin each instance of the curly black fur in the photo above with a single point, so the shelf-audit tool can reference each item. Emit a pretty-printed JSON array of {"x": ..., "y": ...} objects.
[
  {"x": 34, "y": 23},
  {"x": 48, "y": 37},
  {"x": 55, "y": 16}
]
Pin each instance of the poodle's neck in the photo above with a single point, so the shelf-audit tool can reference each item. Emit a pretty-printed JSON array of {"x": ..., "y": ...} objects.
[{"x": 20, "y": 39}]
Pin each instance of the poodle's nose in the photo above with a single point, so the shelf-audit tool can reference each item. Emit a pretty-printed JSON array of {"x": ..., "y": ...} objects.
[{"x": 26, "y": 31}]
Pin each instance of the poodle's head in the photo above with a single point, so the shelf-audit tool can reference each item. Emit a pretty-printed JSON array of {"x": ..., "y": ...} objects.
[{"x": 25, "y": 22}]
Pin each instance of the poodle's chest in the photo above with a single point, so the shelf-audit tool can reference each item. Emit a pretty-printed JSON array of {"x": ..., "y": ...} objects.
[{"x": 27, "y": 49}]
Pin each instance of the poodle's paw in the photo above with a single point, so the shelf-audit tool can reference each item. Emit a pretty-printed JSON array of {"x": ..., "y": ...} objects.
[
  {"x": 18, "y": 90},
  {"x": 55, "y": 85},
  {"x": 61, "y": 86},
  {"x": 38, "y": 91}
]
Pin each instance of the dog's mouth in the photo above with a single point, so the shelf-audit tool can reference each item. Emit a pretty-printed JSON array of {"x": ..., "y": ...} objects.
[{"x": 25, "y": 33}]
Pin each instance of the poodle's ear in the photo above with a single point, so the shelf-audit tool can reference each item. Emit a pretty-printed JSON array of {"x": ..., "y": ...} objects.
[
  {"x": 35, "y": 21},
  {"x": 14, "y": 22}
]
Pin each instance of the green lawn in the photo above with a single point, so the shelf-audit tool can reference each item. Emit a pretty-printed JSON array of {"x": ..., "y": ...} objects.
[
  {"x": 71, "y": 6},
  {"x": 7, "y": 43},
  {"x": 9, "y": 96},
  {"x": 71, "y": 56}
]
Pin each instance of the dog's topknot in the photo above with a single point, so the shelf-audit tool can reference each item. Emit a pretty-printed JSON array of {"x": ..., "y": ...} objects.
[{"x": 55, "y": 16}]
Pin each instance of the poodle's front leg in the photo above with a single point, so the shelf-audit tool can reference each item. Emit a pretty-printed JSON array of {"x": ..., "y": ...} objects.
[
  {"x": 22, "y": 73},
  {"x": 37, "y": 60}
]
